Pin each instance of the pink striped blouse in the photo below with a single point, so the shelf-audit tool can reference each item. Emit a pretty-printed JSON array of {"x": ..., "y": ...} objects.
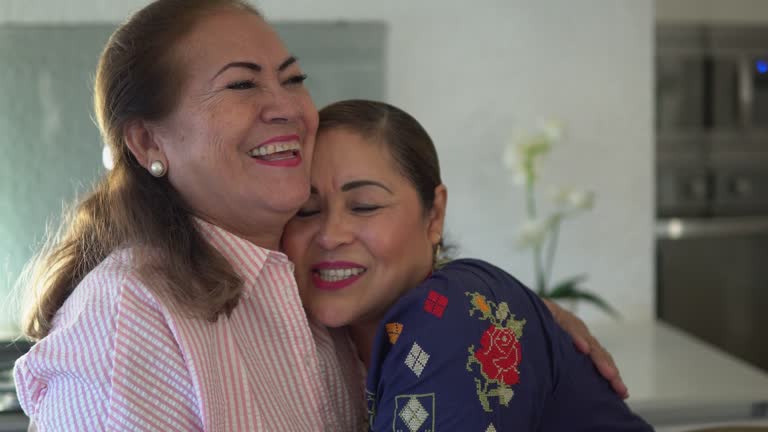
[{"x": 118, "y": 359}]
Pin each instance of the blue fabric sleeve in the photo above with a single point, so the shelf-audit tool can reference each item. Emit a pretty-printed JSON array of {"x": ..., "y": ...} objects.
[{"x": 473, "y": 349}]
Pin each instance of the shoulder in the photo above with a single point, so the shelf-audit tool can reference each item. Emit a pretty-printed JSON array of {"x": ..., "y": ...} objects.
[
  {"x": 467, "y": 338},
  {"x": 457, "y": 304},
  {"x": 102, "y": 291},
  {"x": 454, "y": 310},
  {"x": 108, "y": 313},
  {"x": 459, "y": 285}
]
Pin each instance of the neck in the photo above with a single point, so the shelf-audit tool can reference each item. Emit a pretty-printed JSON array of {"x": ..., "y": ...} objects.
[
  {"x": 362, "y": 335},
  {"x": 264, "y": 235}
]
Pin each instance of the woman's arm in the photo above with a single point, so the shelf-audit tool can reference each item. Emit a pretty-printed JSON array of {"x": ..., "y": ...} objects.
[
  {"x": 587, "y": 344},
  {"x": 111, "y": 363}
]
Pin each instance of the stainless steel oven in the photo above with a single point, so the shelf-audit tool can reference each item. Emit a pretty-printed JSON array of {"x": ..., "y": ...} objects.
[
  {"x": 712, "y": 184},
  {"x": 713, "y": 282},
  {"x": 711, "y": 78}
]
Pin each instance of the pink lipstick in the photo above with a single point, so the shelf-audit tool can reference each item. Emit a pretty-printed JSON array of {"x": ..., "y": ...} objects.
[
  {"x": 331, "y": 276},
  {"x": 279, "y": 151}
]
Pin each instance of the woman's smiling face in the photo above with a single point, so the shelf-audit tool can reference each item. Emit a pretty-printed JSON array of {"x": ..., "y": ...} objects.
[
  {"x": 239, "y": 143},
  {"x": 363, "y": 238}
]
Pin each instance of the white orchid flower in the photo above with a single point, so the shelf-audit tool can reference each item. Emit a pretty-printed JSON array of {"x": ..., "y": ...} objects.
[
  {"x": 560, "y": 195},
  {"x": 534, "y": 145},
  {"x": 522, "y": 156},
  {"x": 552, "y": 129},
  {"x": 574, "y": 199},
  {"x": 510, "y": 157},
  {"x": 513, "y": 164},
  {"x": 581, "y": 199},
  {"x": 533, "y": 233}
]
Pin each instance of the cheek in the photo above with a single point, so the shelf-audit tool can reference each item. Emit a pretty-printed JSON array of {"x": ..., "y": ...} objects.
[
  {"x": 194, "y": 140},
  {"x": 403, "y": 242},
  {"x": 309, "y": 111},
  {"x": 296, "y": 243},
  {"x": 219, "y": 131},
  {"x": 311, "y": 120}
]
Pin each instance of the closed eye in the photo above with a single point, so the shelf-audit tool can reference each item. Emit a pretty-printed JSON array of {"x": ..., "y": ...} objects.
[
  {"x": 241, "y": 85},
  {"x": 305, "y": 213},
  {"x": 296, "y": 79},
  {"x": 365, "y": 208}
]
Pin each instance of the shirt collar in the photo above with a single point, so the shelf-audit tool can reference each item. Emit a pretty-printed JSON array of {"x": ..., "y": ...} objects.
[{"x": 247, "y": 259}]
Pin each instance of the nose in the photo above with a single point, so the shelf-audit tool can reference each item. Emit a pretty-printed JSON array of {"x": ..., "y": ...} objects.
[
  {"x": 334, "y": 232},
  {"x": 280, "y": 106}
]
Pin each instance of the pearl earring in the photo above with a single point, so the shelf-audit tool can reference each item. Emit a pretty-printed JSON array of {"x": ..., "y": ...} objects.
[{"x": 157, "y": 168}]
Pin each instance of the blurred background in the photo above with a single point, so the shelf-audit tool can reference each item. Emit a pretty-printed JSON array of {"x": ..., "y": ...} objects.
[{"x": 665, "y": 112}]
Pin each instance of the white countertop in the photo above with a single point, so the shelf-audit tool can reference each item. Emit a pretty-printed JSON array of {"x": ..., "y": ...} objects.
[{"x": 675, "y": 378}]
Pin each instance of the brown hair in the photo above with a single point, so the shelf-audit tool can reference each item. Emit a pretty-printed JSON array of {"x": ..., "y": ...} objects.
[
  {"x": 408, "y": 142},
  {"x": 136, "y": 79}
]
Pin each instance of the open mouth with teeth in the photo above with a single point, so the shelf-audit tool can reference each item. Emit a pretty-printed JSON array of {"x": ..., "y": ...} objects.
[
  {"x": 335, "y": 275},
  {"x": 277, "y": 152},
  {"x": 336, "y": 278}
]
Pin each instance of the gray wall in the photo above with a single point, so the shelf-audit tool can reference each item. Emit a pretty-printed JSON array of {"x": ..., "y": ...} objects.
[{"x": 49, "y": 147}]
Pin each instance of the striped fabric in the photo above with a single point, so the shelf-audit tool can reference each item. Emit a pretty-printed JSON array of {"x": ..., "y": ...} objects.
[{"x": 119, "y": 359}]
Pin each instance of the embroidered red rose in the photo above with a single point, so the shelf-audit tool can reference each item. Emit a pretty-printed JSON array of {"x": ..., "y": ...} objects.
[{"x": 499, "y": 355}]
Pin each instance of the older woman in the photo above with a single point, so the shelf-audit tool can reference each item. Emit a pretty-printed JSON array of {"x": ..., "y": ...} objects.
[
  {"x": 164, "y": 303},
  {"x": 184, "y": 316},
  {"x": 464, "y": 347}
]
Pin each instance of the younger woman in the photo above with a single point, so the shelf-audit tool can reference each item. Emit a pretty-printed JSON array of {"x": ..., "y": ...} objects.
[{"x": 463, "y": 347}]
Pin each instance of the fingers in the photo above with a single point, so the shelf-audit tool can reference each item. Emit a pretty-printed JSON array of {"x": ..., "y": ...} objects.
[
  {"x": 587, "y": 344},
  {"x": 581, "y": 344},
  {"x": 604, "y": 361},
  {"x": 579, "y": 332},
  {"x": 605, "y": 364},
  {"x": 620, "y": 388},
  {"x": 554, "y": 309},
  {"x": 607, "y": 367},
  {"x": 572, "y": 325}
]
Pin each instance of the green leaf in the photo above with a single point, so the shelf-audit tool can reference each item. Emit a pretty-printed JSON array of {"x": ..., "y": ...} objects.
[
  {"x": 568, "y": 283},
  {"x": 568, "y": 289}
]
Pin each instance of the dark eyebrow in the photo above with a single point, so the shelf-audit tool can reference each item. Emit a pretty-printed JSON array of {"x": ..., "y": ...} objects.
[
  {"x": 361, "y": 183},
  {"x": 241, "y": 64},
  {"x": 289, "y": 61},
  {"x": 354, "y": 185},
  {"x": 256, "y": 67}
]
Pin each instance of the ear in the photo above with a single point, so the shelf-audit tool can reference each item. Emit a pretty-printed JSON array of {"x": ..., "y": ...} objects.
[
  {"x": 437, "y": 214},
  {"x": 140, "y": 139}
]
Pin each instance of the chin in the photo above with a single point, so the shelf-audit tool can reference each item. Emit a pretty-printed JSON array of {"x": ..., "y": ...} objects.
[{"x": 330, "y": 318}]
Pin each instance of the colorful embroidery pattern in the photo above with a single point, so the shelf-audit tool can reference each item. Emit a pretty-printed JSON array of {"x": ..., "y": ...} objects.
[
  {"x": 499, "y": 354},
  {"x": 370, "y": 401},
  {"x": 417, "y": 359},
  {"x": 394, "y": 329},
  {"x": 436, "y": 304},
  {"x": 414, "y": 413}
]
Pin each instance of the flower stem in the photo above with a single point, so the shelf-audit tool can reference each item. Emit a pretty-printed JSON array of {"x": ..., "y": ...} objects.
[
  {"x": 537, "y": 261},
  {"x": 530, "y": 200},
  {"x": 551, "y": 249}
]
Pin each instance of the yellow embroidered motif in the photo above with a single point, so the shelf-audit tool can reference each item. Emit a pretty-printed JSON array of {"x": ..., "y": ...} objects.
[
  {"x": 479, "y": 302},
  {"x": 393, "y": 331}
]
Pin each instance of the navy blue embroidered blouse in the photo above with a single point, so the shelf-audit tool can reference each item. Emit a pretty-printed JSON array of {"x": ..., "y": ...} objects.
[{"x": 472, "y": 349}]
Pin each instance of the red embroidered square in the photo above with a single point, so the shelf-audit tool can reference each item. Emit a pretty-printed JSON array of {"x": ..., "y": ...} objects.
[{"x": 436, "y": 304}]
